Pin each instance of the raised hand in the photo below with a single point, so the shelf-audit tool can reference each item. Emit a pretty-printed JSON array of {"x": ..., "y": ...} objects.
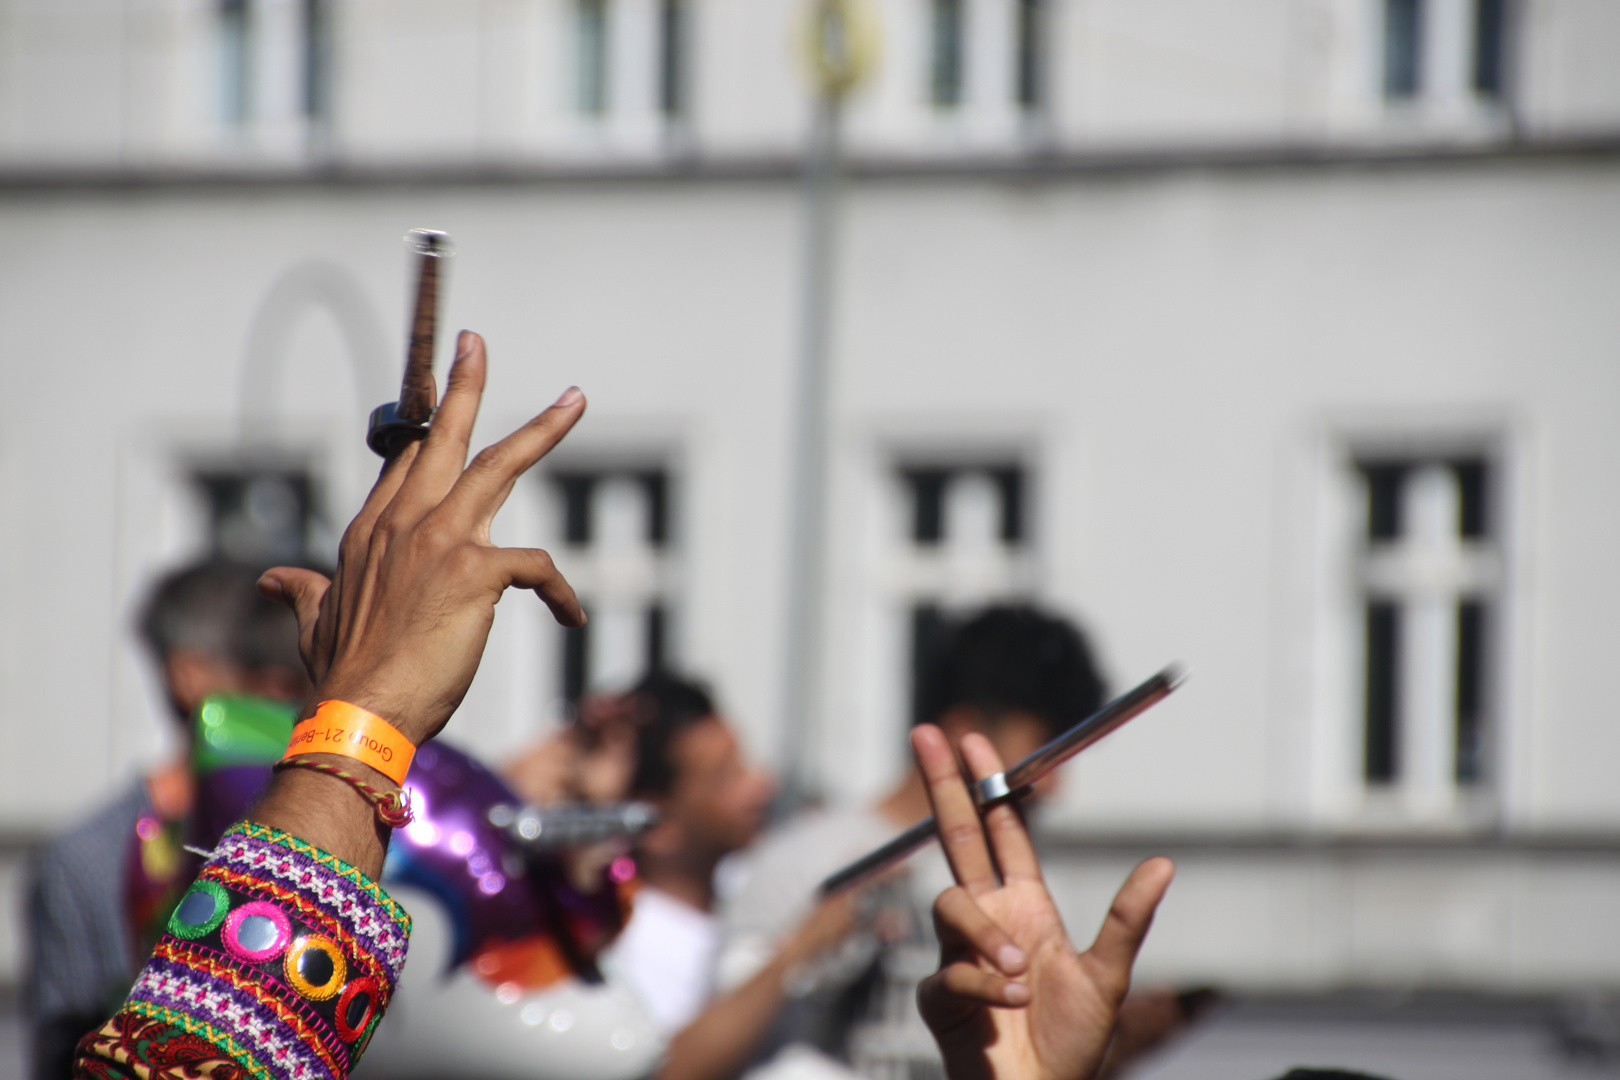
[
  {"x": 401, "y": 626},
  {"x": 1013, "y": 999}
]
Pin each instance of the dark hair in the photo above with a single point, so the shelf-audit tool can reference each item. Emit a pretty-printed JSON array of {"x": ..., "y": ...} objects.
[
  {"x": 214, "y": 607},
  {"x": 1012, "y": 658},
  {"x": 663, "y": 705}
]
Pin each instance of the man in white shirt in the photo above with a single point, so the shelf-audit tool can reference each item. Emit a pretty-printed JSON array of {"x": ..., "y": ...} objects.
[
  {"x": 666, "y": 956},
  {"x": 712, "y": 802},
  {"x": 654, "y": 1014}
]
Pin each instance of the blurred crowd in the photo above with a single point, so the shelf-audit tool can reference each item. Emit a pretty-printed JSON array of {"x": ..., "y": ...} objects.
[{"x": 720, "y": 958}]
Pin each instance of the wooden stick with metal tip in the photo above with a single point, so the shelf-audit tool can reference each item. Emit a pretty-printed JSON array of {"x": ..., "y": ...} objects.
[
  {"x": 397, "y": 423},
  {"x": 1019, "y": 780}
]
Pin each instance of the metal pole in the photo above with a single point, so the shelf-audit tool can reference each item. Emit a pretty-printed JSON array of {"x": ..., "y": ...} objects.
[{"x": 807, "y": 522}]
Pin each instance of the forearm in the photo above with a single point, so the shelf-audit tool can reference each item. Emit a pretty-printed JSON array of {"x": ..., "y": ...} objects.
[
  {"x": 306, "y": 861},
  {"x": 328, "y": 814},
  {"x": 722, "y": 1040},
  {"x": 223, "y": 988},
  {"x": 324, "y": 810}
]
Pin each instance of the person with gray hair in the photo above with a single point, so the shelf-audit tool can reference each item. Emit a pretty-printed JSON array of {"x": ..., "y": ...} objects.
[{"x": 207, "y": 631}]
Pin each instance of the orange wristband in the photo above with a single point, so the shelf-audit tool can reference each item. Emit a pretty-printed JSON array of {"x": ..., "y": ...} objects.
[{"x": 340, "y": 728}]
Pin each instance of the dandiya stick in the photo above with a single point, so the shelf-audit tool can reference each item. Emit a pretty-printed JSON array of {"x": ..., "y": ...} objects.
[
  {"x": 1019, "y": 780},
  {"x": 396, "y": 423}
]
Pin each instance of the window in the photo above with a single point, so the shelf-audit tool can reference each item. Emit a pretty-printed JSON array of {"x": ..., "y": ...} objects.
[
  {"x": 1489, "y": 34},
  {"x": 291, "y": 42},
  {"x": 1430, "y": 577},
  {"x": 259, "y": 515},
  {"x": 591, "y": 57},
  {"x": 1446, "y": 60},
  {"x": 616, "y": 534},
  {"x": 316, "y": 65},
  {"x": 1029, "y": 89},
  {"x": 672, "y": 58},
  {"x": 1403, "y": 49},
  {"x": 945, "y": 69},
  {"x": 236, "y": 54},
  {"x": 966, "y": 545}
]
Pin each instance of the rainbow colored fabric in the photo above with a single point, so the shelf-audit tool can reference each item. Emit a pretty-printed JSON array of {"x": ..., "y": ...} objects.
[{"x": 277, "y": 964}]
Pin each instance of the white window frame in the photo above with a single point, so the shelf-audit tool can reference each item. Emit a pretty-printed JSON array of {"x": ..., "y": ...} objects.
[
  {"x": 632, "y": 121},
  {"x": 1424, "y": 797},
  {"x": 877, "y": 579},
  {"x": 987, "y": 114},
  {"x": 162, "y": 522},
  {"x": 263, "y": 76},
  {"x": 620, "y": 574},
  {"x": 1445, "y": 94}
]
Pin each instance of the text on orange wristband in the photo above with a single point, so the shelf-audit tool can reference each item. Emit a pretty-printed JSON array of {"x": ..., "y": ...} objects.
[{"x": 340, "y": 728}]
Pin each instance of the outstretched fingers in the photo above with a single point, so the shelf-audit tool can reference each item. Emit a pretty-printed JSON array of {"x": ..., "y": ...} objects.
[
  {"x": 444, "y": 450},
  {"x": 1111, "y": 956},
  {"x": 1009, "y": 839},
  {"x": 485, "y": 484},
  {"x": 354, "y": 556},
  {"x": 531, "y": 568},
  {"x": 955, "y": 814},
  {"x": 357, "y": 537}
]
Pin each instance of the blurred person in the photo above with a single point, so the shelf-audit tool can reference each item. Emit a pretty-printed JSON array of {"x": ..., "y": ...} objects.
[
  {"x": 505, "y": 981},
  {"x": 589, "y": 760},
  {"x": 512, "y": 1008},
  {"x": 712, "y": 804},
  {"x": 662, "y": 742},
  {"x": 99, "y": 888},
  {"x": 1012, "y": 675}
]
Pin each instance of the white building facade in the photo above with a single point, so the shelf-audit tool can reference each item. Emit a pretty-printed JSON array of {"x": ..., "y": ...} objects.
[{"x": 1275, "y": 337}]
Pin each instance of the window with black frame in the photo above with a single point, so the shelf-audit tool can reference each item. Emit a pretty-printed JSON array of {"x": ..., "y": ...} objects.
[
  {"x": 235, "y": 62},
  {"x": 260, "y": 515},
  {"x": 1490, "y": 48},
  {"x": 616, "y": 533},
  {"x": 1431, "y": 578},
  {"x": 1403, "y": 49},
  {"x": 1030, "y": 87},
  {"x": 592, "y": 75},
  {"x": 1443, "y": 53},
  {"x": 947, "y": 49},
  {"x": 674, "y": 35},
  {"x": 966, "y": 545},
  {"x": 316, "y": 76}
]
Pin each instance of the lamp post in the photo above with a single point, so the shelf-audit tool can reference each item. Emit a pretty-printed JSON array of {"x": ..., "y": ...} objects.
[{"x": 840, "y": 51}]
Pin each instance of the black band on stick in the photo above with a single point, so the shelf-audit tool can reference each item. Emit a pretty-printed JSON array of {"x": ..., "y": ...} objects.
[{"x": 397, "y": 423}]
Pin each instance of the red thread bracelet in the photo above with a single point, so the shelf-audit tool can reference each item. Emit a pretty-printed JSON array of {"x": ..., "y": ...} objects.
[{"x": 393, "y": 807}]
